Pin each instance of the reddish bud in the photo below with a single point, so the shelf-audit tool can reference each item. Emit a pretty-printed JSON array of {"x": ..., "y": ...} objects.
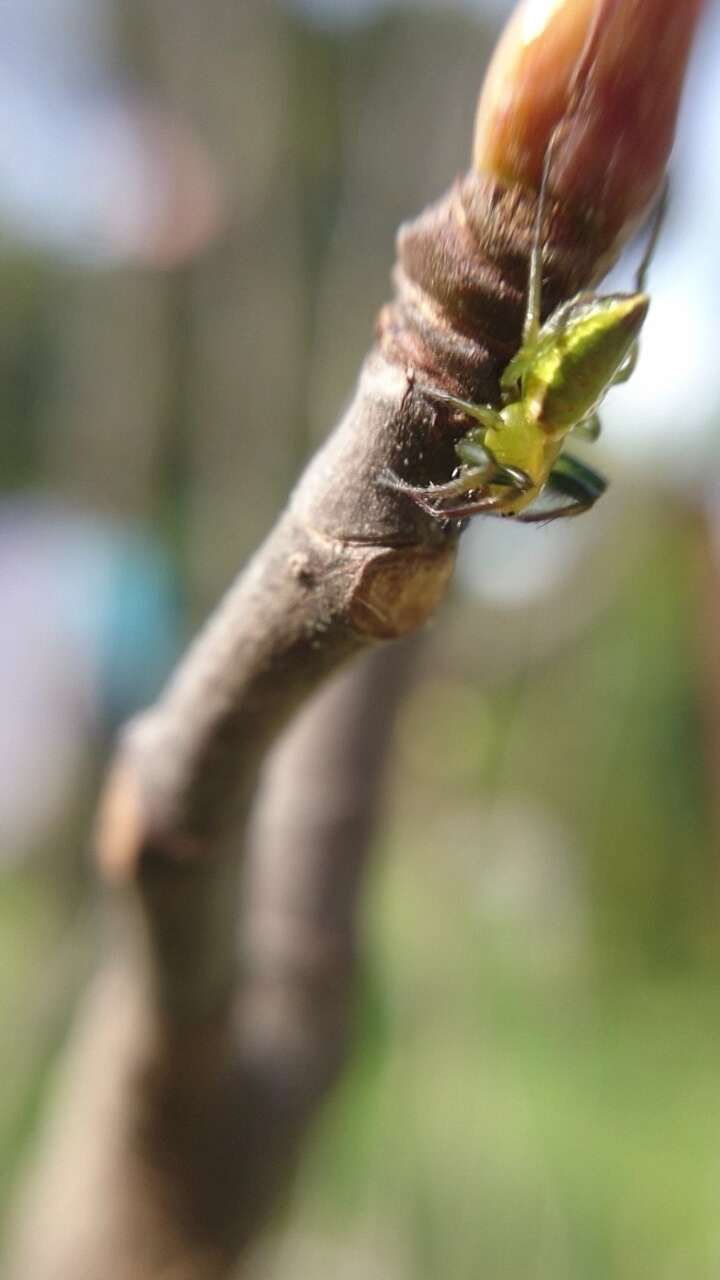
[{"x": 602, "y": 79}]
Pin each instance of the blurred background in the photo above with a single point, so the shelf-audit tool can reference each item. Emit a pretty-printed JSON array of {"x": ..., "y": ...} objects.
[{"x": 191, "y": 197}]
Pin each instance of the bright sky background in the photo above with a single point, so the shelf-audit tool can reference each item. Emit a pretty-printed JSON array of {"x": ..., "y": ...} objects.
[{"x": 70, "y": 149}]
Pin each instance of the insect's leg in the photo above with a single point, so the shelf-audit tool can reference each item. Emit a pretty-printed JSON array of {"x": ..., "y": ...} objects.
[
  {"x": 487, "y": 472},
  {"x": 489, "y": 504},
  {"x": 531, "y": 326},
  {"x": 573, "y": 480},
  {"x": 479, "y": 468},
  {"x": 589, "y": 429},
  {"x": 432, "y": 498},
  {"x": 478, "y": 465},
  {"x": 657, "y": 222},
  {"x": 516, "y": 482},
  {"x": 482, "y": 413},
  {"x": 627, "y": 368},
  {"x": 427, "y": 496},
  {"x": 514, "y": 371}
]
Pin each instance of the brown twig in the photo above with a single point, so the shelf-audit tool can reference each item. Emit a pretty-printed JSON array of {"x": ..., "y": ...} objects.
[{"x": 171, "y": 1142}]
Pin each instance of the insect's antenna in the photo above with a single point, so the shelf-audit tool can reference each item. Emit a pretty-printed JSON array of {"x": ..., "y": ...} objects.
[
  {"x": 531, "y": 326},
  {"x": 658, "y": 218}
]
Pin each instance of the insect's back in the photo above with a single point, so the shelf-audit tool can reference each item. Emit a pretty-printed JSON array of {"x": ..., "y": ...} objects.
[{"x": 579, "y": 351}]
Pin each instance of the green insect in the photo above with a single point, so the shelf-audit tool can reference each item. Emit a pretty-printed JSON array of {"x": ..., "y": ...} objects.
[{"x": 551, "y": 389}]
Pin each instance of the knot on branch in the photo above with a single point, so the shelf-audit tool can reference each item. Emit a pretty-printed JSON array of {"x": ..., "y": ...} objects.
[{"x": 461, "y": 279}]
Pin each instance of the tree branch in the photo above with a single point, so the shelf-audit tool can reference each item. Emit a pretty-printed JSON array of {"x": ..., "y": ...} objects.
[
  {"x": 175, "y": 1101},
  {"x": 193, "y": 1078},
  {"x": 170, "y": 1144}
]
